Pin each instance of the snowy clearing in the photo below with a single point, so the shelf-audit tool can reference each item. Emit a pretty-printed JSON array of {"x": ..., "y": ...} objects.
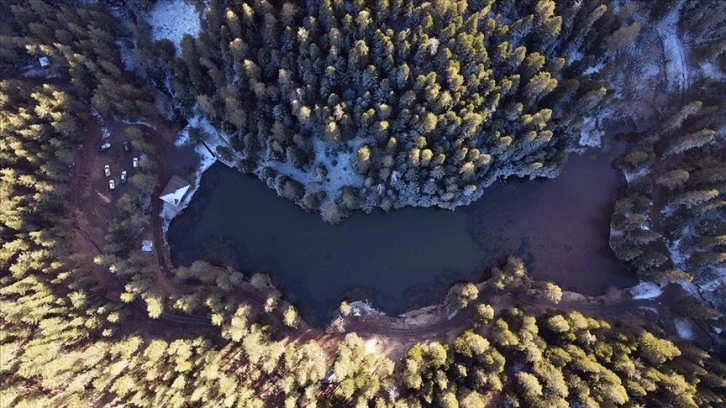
[
  {"x": 341, "y": 171},
  {"x": 645, "y": 290},
  {"x": 172, "y": 19}
]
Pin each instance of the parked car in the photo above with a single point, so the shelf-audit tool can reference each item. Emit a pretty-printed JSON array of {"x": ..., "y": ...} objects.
[
  {"x": 127, "y": 146},
  {"x": 123, "y": 177},
  {"x": 135, "y": 162},
  {"x": 111, "y": 185},
  {"x": 104, "y": 147},
  {"x": 107, "y": 170}
]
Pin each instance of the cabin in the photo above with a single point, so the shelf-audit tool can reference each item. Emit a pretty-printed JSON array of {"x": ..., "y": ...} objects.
[
  {"x": 175, "y": 190},
  {"x": 147, "y": 245},
  {"x": 43, "y": 62}
]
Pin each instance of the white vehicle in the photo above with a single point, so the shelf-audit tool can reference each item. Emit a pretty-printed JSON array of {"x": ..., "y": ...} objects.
[
  {"x": 107, "y": 170},
  {"x": 123, "y": 177},
  {"x": 135, "y": 162},
  {"x": 111, "y": 185}
]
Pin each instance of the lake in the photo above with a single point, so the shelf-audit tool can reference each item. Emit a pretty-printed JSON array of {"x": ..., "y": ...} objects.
[{"x": 407, "y": 258}]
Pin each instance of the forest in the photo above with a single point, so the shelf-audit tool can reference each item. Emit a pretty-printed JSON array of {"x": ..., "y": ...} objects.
[
  {"x": 341, "y": 106},
  {"x": 430, "y": 101}
]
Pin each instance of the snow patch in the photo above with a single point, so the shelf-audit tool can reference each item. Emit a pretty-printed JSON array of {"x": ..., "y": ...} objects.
[
  {"x": 691, "y": 289},
  {"x": 594, "y": 69},
  {"x": 574, "y": 56},
  {"x": 127, "y": 56},
  {"x": 684, "y": 329},
  {"x": 301, "y": 176},
  {"x": 341, "y": 169},
  {"x": 645, "y": 290},
  {"x": 105, "y": 131},
  {"x": 631, "y": 176},
  {"x": 360, "y": 308},
  {"x": 172, "y": 19},
  {"x": 712, "y": 71},
  {"x": 590, "y": 135},
  {"x": 677, "y": 72},
  {"x": 212, "y": 138},
  {"x": 677, "y": 256}
]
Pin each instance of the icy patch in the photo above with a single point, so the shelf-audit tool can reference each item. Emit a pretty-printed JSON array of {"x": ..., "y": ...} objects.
[
  {"x": 590, "y": 136},
  {"x": 645, "y": 290},
  {"x": 684, "y": 329},
  {"x": 172, "y": 19}
]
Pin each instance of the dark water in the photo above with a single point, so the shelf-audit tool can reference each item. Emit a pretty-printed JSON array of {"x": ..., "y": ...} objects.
[{"x": 406, "y": 258}]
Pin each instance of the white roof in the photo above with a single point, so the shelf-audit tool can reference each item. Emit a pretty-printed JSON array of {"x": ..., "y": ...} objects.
[
  {"x": 147, "y": 245},
  {"x": 175, "y": 197},
  {"x": 43, "y": 61},
  {"x": 175, "y": 190}
]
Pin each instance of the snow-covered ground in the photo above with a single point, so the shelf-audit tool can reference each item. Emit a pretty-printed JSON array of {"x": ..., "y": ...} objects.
[
  {"x": 674, "y": 248},
  {"x": 212, "y": 138},
  {"x": 684, "y": 329},
  {"x": 645, "y": 290},
  {"x": 340, "y": 167},
  {"x": 127, "y": 56},
  {"x": 594, "y": 69},
  {"x": 590, "y": 135},
  {"x": 712, "y": 71},
  {"x": 677, "y": 71},
  {"x": 630, "y": 177},
  {"x": 360, "y": 308},
  {"x": 341, "y": 171},
  {"x": 172, "y": 19}
]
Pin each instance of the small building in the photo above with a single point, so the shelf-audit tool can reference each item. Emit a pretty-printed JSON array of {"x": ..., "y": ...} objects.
[
  {"x": 175, "y": 190},
  {"x": 147, "y": 245},
  {"x": 43, "y": 62}
]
